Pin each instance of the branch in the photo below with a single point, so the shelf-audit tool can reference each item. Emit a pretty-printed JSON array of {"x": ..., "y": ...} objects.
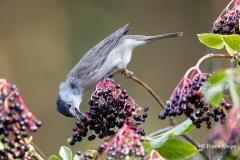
[
  {"x": 209, "y": 56},
  {"x": 155, "y": 96},
  {"x": 172, "y": 121}
]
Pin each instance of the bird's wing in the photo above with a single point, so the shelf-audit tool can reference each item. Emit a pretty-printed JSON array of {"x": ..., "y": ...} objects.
[{"x": 95, "y": 57}]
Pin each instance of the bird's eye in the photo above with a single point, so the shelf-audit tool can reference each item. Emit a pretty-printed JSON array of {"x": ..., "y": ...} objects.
[{"x": 69, "y": 105}]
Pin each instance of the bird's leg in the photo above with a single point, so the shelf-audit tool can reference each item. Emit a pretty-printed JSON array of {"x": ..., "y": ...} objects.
[
  {"x": 127, "y": 73},
  {"x": 110, "y": 74}
]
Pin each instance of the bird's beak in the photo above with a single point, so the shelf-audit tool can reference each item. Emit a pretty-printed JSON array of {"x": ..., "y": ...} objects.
[{"x": 76, "y": 112}]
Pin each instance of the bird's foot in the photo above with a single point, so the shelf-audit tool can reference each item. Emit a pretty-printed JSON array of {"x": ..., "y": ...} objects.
[{"x": 127, "y": 73}]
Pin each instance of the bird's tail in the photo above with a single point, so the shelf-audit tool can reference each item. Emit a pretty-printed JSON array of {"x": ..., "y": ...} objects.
[{"x": 163, "y": 36}]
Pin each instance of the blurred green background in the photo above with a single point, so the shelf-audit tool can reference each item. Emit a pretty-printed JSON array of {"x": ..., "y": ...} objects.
[{"x": 41, "y": 41}]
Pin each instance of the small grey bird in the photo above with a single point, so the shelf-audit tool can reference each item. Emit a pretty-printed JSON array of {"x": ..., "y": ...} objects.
[{"x": 107, "y": 58}]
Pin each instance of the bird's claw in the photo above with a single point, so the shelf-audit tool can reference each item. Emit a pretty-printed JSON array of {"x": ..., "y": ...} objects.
[{"x": 128, "y": 74}]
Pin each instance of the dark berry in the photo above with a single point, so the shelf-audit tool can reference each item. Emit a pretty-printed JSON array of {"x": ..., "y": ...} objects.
[
  {"x": 83, "y": 119},
  {"x": 208, "y": 123},
  {"x": 124, "y": 91},
  {"x": 198, "y": 125},
  {"x": 192, "y": 118},
  {"x": 216, "y": 119},
  {"x": 13, "y": 87},
  {"x": 205, "y": 118},
  {"x": 90, "y": 102},
  {"x": 208, "y": 127},
  {"x": 92, "y": 136},
  {"x": 144, "y": 115},
  {"x": 118, "y": 86},
  {"x": 145, "y": 108},
  {"x": 4, "y": 140},
  {"x": 38, "y": 123},
  {"x": 100, "y": 136},
  {"x": 78, "y": 153},
  {"x": 25, "y": 134}
]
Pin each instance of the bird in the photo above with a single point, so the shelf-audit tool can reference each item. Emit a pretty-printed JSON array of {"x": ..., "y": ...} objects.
[{"x": 109, "y": 57}]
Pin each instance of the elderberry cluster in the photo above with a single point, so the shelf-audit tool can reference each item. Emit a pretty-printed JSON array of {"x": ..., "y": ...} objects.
[
  {"x": 226, "y": 137},
  {"x": 110, "y": 107},
  {"x": 15, "y": 121},
  {"x": 125, "y": 144},
  {"x": 190, "y": 102},
  {"x": 228, "y": 24}
]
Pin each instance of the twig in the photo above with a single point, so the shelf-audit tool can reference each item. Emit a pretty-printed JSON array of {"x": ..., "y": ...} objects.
[
  {"x": 160, "y": 131},
  {"x": 172, "y": 121},
  {"x": 39, "y": 150},
  {"x": 196, "y": 144},
  {"x": 233, "y": 62},
  {"x": 155, "y": 96},
  {"x": 212, "y": 55},
  {"x": 36, "y": 155}
]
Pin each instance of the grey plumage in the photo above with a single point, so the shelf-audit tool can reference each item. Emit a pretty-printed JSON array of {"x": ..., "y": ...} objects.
[
  {"x": 108, "y": 57},
  {"x": 97, "y": 54}
]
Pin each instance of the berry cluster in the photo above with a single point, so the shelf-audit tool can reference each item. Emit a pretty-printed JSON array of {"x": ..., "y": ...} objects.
[
  {"x": 15, "y": 120},
  {"x": 110, "y": 107},
  {"x": 125, "y": 144},
  {"x": 226, "y": 137},
  {"x": 228, "y": 23},
  {"x": 190, "y": 101}
]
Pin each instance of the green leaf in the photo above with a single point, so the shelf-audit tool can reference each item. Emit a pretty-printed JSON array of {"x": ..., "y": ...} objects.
[
  {"x": 183, "y": 128},
  {"x": 53, "y": 157},
  {"x": 161, "y": 140},
  {"x": 214, "y": 94},
  {"x": 189, "y": 128},
  {"x": 65, "y": 153},
  {"x": 177, "y": 150},
  {"x": 180, "y": 129},
  {"x": 147, "y": 146},
  {"x": 230, "y": 157},
  {"x": 231, "y": 42},
  {"x": 233, "y": 93},
  {"x": 217, "y": 77},
  {"x": 211, "y": 40}
]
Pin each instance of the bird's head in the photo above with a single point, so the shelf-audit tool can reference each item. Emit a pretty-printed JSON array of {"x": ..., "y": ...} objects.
[{"x": 68, "y": 100}]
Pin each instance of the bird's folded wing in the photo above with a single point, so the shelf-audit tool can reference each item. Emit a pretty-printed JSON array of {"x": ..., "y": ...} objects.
[{"x": 95, "y": 57}]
